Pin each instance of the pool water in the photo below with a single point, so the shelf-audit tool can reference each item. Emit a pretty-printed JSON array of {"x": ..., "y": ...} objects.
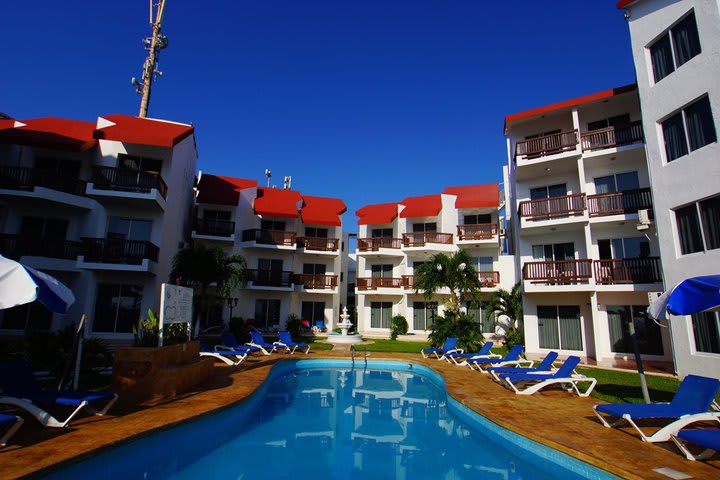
[{"x": 331, "y": 421}]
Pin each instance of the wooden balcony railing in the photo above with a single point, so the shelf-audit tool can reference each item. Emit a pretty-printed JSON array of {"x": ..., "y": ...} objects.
[
  {"x": 125, "y": 179},
  {"x": 618, "y": 203},
  {"x": 318, "y": 243},
  {"x": 270, "y": 278},
  {"x": 269, "y": 237},
  {"x": 24, "y": 178},
  {"x": 553, "y": 207},
  {"x": 373, "y": 244},
  {"x": 15, "y": 246},
  {"x": 489, "y": 279},
  {"x": 316, "y": 282},
  {"x": 547, "y": 144},
  {"x": 628, "y": 270},
  {"x": 481, "y": 231},
  {"x": 420, "y": 239},
  {"x": 373, "y": 283},
  {"x": 214, "y": 228},
  {"x": 408, "y": 282},
  {"x": 111, "y": 250},
  {"x": 612, "y": 137},
  {"x": 558, "y": 272}
]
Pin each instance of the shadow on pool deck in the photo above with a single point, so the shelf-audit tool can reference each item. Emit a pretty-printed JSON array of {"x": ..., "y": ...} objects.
[{"x": 554, "y": 418}]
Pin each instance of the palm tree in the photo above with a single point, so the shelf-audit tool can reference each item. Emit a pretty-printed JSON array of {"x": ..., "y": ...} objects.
[
  {"x": 454, "y": 272},
  {"x": 199, "y": 267},
  {"x": 508, "y": 304}
]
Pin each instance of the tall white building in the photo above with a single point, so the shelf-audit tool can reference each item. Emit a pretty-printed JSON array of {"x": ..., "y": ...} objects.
[
  {"x": 585, "y": 247},
  {"x": 294, "y": 246},
  {"x": 395, "y": 238},
  {"x": 676, "y": 47},
  {"x": 102, "y": 206}
]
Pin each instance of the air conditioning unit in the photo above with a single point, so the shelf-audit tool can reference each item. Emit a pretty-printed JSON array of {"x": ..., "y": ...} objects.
[
  {"x": 502, "y": 232},
  {"x": 644, "y": 216}
]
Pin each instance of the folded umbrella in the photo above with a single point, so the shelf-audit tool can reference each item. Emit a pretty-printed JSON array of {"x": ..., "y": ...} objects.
[
  {"x": 692, "y": 295},
  {"x": 20, "y": 284}
]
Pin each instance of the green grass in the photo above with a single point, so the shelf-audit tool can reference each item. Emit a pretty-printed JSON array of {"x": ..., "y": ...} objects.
[
  {"x": 624, "y": 387},
  {"x": 383, "y": 345}
]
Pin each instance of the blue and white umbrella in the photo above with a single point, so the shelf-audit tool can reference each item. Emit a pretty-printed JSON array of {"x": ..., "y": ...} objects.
[
  {"x": 692, "y": 295},
  {"x": 20, "y": 284}
]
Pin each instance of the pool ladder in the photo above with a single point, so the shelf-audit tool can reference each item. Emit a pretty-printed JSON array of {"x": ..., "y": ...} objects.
[{"x": 352, "y": 352}]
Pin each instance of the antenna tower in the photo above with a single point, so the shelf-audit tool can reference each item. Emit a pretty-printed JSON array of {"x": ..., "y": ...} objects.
[{"x": 153, "y": 45}]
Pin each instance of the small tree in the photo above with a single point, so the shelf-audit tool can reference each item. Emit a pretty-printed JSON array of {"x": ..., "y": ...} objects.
[
  {"x": 508, "y": 304},
  {"x": 398, "y": 326},
  {"x": 459, "y": 325}
]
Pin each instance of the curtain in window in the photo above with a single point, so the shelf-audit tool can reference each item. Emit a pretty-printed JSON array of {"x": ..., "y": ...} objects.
[
  {"x": 688, "y": 229},
  {"x": 419, "y": 316},
  {"x": 618, "y": 318},
  {"x": 548, "y": 327},
  {"x": 700, "y": 125},
  {"x": 661, "y": 57},
  {"x": 570, "y": 330},
  {"x": 705, "y": 331},
  {"x": 674, "y": 134},
  {"x": 686, "y": 40},
  {"x": 710, "y": 213}
]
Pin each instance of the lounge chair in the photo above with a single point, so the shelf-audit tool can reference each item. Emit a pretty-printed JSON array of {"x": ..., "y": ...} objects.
[
  {"x": 229, "y": 342},
  {"x": 534, "y": 382},
  {"x": 512, "y": 358},
  {"x": 448, "y": 347},
  {"x": 257, "y": 340},
  {"x": 11, "y": 421},
  {"x": 319, "y": 327},
  {"x": 461, "y": 358},
  {"x": 709, "y": 439},
  {"x": 286, "y": 341},
  {"x": 19, "y": 388},
  {"x": 230, "y": 356},
  {"x": 690, "y": 404},
  {"x": 544, "y": 366}
]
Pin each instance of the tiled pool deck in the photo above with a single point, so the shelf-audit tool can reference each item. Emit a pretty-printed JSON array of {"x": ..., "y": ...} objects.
[{"x": 553, "y": 418}]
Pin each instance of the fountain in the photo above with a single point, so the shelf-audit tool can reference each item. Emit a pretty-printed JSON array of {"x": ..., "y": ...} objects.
[{"x": 344, "y": 338}]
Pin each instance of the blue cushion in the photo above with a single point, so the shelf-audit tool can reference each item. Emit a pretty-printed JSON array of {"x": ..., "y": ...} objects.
[
  {"x": 642, "y": 410},
  {"x": 7, "y": 419},
  {"x": 71, "y": 399},
  {"x": 704, "y": 438}
]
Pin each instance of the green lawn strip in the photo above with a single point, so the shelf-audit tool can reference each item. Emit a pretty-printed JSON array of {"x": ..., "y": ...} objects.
[
  {"x": 383, "y": 345},
  {"x": 624, "y": 387}
]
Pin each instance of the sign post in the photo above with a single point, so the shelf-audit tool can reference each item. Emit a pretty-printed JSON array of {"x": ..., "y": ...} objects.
[{"x": 175, "y": 306}]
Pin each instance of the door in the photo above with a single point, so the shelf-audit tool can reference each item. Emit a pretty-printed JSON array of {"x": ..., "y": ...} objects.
[
  {"x": 380, "y": 313},
  {"x": 270, "y": 272}
]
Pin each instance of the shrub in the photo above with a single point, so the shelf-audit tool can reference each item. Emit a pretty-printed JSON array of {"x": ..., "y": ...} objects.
[
  {"x": 398, "y": 326},
  {"x": 293, "y": 325},
  {"x": 337, "y": 330},
  {"x": 147, "y": 332},
  {"x": 462, "y": 326},
  {"x": 238, "y": 328},
  {"x": 174, "y": 333},
  {"x": 513, "y": 337}
]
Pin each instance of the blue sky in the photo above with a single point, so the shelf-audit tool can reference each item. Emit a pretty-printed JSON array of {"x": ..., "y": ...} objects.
[{"x": 367, "y": 100}]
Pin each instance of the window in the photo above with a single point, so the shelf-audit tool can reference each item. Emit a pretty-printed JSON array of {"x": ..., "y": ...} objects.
[
  {"x": 556, "y": 252},
  {"x": 213, "y": 215},
  {"x": 617, "y": 121},
  {"x": 31, "y": 316},
  {"x": 342, "y": 277},
  {"x": 66, "y": 168},
  {"x": 316, "y": 232},
  {"x": 380, "y": 313},
  {"x": 267, "y": 312},
  {"x": 129, "y": 229},
  {"x": 313, "y": 311},
  {"x": 689, "y": 129},
  {"x": 706, "y": 330},
  {"x": 424, "y": 227},
  {"x": 675, "y": 47},
  {"x": 382, "y": 233},
  {"x": 479, "y": 313},
  {"x": 478, "y": 219},
  {"x": 384, "y": 271},
  {"x": 647, "y": 331},
  {"x": 276, "y": 225},
  {"x": 424, "y": 314},
  {"x": 559, "y": 327},
  {"x": 559, "y": 190},
  {"x": 141, "y": 164},
  {"x": 117, "y": 308},
  {"x": 617, "y": 182},
  {"x": 630, "y": 247},
  {"x": 482, "y": 264},
  {"x": 692, "y": 237},
  {"x": 314, "y": 269}
]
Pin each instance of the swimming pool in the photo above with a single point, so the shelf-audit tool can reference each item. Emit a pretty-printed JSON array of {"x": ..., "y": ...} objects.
[{"x": 324, "y": 419}]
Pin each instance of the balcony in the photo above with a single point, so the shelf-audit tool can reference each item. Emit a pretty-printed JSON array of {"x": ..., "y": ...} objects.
[
  {"x": 24, "y": 178},
  {"x": 373, "y": 283},
  {"x": 553, "y": 207},
  {"x": 481, "y": 231},
  {"x": 14, "y": 246},
  {"x": 270, "y": 278},
  {"x": 316, "y": 282},
  {"x": 619, "y": 203},
  {"x": 620, "y": 271},
  {"x": 546, "y": 145},
  {"x": 421, "y": 239},
  {"x": 374, "y": 244},
  {"x": 123, "y": 180},
  {"x": 118, "y": 251},
  {"x": 318, "y": 244},
  {"x": 612, "y": 137},
  {"x": 560, "y": 272},
  {"x": 208, "y": 227},
  {"x": 275, "y": 238},
  {"x": 489, "y": 279}
]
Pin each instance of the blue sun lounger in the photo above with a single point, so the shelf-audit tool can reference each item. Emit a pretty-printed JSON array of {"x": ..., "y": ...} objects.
[
  {"x": 19, "y": 388},
  {"x": 564, "y": 376},
  {"x": 691, "y": 404},
  {"x": 286, "y": 341},
  {"x": 544, "y": 366},
  {"x": 229, "y": 342},
  {"x": 461, "y": 358},
  {"x": 512, "y": 358},
  {"x": 448, "y": 347},
  {"x": 257, "y": 340},
  {"x": 11, "y": 421},
  {"x": 708, "y": 439},
  {"x": 232, "y": 357}
]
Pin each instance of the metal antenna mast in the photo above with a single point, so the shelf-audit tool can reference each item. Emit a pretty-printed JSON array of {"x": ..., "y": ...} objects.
[{"x": 153, "y": 45}]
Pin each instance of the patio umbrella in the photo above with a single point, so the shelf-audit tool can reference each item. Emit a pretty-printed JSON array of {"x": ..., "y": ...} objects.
[
  {"x": 20, "y": 284},
  {"x": 692, "y": 295}
]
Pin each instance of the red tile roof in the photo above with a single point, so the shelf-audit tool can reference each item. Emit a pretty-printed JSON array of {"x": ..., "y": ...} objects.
[
  {"x": 378, "y": 214},
  {"x": 535, "y": 112},
  {"x": 142, "y": 131},
  {"x": 274, "y": 202},
  {"x": 322, "y": 210},
  {"x": 49, "y": 132},
  {"x": 424, "y": 206},
  {"x": 219, "y": 190},
  {"x": 475, "y": 196},
  {"x": 624, "y": 3}
]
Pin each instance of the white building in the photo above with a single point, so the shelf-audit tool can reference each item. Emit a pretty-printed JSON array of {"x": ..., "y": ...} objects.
[
  {"x": 293, "y": 244},
  {"x": 676, "y": 47},
  {"x": 395, "y": 238},
  {"x": 587, "y": 256},
  {"x": 102, "y": 206}
]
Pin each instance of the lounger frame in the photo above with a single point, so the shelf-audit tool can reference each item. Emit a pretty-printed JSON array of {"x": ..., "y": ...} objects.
[
  {"x": 11, "y": 431},
  {"x": 680, "y": 443},
  {"x": 665, "y": 433},
  {"x": 224, "y": 356},
  {"x": 45, "y": 418},
  {"x": 567, "y": 383}
]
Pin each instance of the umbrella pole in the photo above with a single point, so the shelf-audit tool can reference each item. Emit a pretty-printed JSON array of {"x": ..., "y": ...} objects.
[
  {"x": 638, "y": 360},
  {"x": 78, "y": 358}
]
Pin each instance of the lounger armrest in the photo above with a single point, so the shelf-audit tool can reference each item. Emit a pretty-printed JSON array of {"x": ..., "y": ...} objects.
[
  {"x": 223, "y": 347},
  {"x": 280, "y": 344},
  {"x": 455, "y": 350}
]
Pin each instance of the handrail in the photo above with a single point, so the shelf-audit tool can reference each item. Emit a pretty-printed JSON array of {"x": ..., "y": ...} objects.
[
  {"x": 316, "y": 281},
  {"x": 612, "y": 136},
  {"x": 214, "y": 227},
  {"x": 628, "y": 270},
  {"x": 553, "y": 207},
  {"x": 113, "y": 250},
  {"x": 27, "y": 178},
  {"x": 544, "y": 145},
  {"x": 558, "y": 271},
  {"x": 114, "y": 178},
  {"x": 373, "y": 244},
  {"x": 270, "y": 278},
  {"x": 269, "y": 237},
  {"x": 619, "y": 203},
  {"x": 373, "y": 283},
  {"x": 420, "y": 239},
  {"x": 322, "y": 244},
  {"x": 480, "y": 231},
  {"x": 489, "y": 278}
]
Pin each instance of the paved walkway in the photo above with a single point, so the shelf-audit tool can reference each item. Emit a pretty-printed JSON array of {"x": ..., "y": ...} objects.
[{"x": 554, "y": 418}]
